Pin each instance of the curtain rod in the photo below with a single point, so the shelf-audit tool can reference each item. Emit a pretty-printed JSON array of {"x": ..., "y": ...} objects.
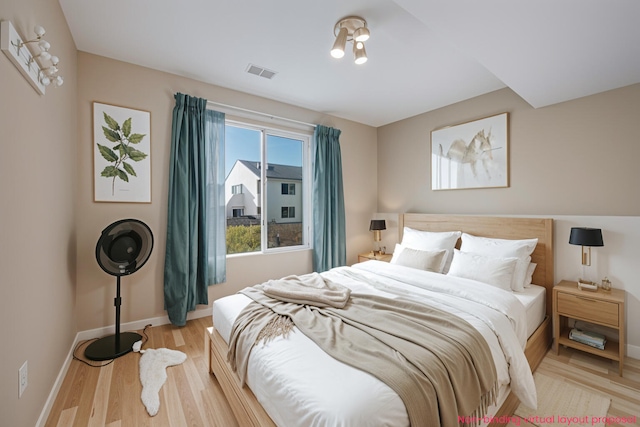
[{"x": 269, "y": 116}]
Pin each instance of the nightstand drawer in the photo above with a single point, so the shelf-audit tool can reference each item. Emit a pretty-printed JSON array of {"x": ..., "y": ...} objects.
[
  {"x": 583, "y": 307},
  {"x": 368, "y": 256}
]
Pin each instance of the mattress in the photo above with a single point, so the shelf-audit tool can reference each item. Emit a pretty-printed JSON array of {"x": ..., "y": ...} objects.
[
  {"x": 225, "y": 310},
  {"x": 286, "y": 378},
  {"x": 534, "y": 302}
]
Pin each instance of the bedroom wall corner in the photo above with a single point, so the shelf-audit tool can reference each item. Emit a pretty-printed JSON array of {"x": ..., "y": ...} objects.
[
  {"x": 113, "y": 82},
  {"x": 37, "y": 231}
]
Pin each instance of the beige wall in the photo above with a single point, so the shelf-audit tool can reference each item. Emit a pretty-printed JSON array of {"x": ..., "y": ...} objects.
[
  {"x": 575, "y": 158},
  {"x": 37, "y": 217},
  {"x": 575, "y": 162},
  {"x": 113, "y": 82}
]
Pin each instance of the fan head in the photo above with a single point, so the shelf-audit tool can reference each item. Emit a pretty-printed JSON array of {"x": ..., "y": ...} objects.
[{"x": 124, "y": 247}]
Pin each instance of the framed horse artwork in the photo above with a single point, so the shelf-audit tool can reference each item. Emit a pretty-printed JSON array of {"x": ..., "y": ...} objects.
[{"x": 474, "y": 154}]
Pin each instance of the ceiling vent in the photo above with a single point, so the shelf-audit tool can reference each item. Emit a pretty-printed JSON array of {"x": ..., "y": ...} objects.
[{"x": 260, "y": 71}]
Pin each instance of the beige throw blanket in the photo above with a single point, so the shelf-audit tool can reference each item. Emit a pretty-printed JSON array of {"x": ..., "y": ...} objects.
[
  {"x": 439, "y": 365},
  {"x": 310, "y": 289}
]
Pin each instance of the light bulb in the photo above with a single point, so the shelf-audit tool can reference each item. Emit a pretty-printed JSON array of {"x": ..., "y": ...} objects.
[
  {"x": 361, "y": 34},
  {"x": 339, "y": 44},
  {"x": 45, "y": 81},
  {"x": 44, "y": 56},
  {"x": 54, "y": 60},
  {"x": 361, "y": 56},
  {"x": 44, "y": 45},
  {"x": 58, "y": 81},
  {"x": 39, "y": 30}
]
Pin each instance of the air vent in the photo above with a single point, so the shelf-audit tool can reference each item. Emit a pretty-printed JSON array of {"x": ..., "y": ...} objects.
[{"x": 260, "y": 71}]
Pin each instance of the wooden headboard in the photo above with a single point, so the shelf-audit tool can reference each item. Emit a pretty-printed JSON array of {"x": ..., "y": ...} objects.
[{"x": 500, "y": 228}]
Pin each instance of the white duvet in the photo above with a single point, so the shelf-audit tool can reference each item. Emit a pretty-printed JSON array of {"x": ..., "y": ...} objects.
[{"x": 298, "y": 384}]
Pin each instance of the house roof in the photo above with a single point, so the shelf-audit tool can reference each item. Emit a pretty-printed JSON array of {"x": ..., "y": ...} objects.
[
  {"x": 274, "y": 171},
  {"x": 423, "y": 54}
]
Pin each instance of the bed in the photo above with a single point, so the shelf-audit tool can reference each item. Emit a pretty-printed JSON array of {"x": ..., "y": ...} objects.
[{"x": 535, "y": 299}]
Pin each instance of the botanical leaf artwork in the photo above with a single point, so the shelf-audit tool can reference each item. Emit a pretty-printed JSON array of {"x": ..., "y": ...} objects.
[{"x": 122, "y": 153}]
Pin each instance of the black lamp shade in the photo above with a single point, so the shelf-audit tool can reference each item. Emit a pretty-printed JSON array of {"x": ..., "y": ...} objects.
[
  {"x": 583, "y": 236},
  {"x": 377, "y": 225}
]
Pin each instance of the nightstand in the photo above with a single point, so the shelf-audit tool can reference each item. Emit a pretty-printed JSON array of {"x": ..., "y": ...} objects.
[
  {"x": 600, "y": 308},
  {"x": 369, "y": 255}
]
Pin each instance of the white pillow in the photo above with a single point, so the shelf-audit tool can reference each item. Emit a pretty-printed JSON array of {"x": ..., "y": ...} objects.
[
  {"x": 503, "y": 248},
  {"x": 415, "y": 258},
  {"x": 431, "y": 241},
  {"x": 529, "y": 278},
  {"x": 497, "y": 272}
]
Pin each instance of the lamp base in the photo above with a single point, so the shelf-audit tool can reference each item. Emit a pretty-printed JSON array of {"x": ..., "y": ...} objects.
[{"x": 106, "y": 348}]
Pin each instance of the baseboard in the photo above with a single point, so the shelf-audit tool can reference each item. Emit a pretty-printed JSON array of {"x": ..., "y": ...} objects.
[
  {"x": 633, "y": 351},
  {"x": 139, "y": 324},
  {"x": 98, "y": 333},
  {"x": 56, "y": 385}
]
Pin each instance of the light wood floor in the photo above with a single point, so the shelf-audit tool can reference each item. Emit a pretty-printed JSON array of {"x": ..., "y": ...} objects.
[{"x": 110, "y": 396}]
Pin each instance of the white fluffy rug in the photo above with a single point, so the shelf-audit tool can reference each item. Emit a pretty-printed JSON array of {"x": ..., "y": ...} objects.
[{"x": 153, "y": 374}]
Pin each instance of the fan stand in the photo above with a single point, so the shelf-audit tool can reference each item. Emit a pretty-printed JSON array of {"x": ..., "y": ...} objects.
[{"x": 113, "y": 346}]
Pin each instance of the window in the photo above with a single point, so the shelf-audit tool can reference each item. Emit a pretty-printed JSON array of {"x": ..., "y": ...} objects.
[
  {"x": 288, "y": 212},
  {"x": 268, "y": 174},
  {"x": 289, "y": 189}
]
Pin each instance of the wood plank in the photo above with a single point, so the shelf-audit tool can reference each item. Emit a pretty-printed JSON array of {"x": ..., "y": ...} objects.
[
  {"x": 101, "y": 397},
  {"x": 67, "y": 417}
]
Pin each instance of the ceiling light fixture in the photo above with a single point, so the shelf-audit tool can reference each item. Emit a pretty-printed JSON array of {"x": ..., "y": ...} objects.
[{"x": 351, "y": 29}]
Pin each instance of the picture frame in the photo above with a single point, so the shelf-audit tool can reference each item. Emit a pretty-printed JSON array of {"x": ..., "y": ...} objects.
[
  {"x": 473, "y": 154},
  {"x": 121, "y": 154}
]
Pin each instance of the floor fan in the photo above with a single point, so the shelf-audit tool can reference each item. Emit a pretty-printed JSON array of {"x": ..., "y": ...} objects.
[{"x": 122, "y": 249}]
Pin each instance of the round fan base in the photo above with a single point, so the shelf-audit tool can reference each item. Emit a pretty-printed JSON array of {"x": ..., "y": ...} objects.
[{"x": 106, "y": 348}]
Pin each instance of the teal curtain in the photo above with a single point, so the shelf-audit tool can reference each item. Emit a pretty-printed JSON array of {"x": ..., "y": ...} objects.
[
  {"x": 197, "y": 137},
  {"x": 329, "y": 238}
]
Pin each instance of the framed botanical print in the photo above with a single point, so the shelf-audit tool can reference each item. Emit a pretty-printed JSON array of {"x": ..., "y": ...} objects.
[{"x": 122, "y": 154}]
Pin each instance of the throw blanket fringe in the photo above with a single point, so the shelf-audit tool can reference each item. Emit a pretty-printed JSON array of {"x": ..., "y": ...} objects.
[
  {"x": 279, "y": 325},
  {"x": 475, "y": 419}
]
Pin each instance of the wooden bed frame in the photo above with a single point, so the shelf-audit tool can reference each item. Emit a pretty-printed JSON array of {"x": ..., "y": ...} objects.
[{"x": 248, "y": 410}]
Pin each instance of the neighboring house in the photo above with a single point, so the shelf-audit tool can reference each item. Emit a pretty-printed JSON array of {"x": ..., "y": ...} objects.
[{"x": 284, "y": 191}]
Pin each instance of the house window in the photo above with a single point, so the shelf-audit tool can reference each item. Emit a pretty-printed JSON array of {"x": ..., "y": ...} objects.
[
  {"x": 288, "y": 189},
  {"x": 288, "y": 212},
  {"x": 270, "y": 168},
  {"x": 238, "y": 212}
]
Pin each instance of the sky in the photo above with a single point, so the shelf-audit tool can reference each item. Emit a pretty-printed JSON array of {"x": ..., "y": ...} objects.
[{"x": 244, "y": 144}]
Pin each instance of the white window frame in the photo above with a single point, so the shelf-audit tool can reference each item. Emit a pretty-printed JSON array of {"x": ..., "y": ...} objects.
[
  {"x": 235, "y": 188},
  {"x": 306, "y": 185},
  {"x": 289, "y": 186}
]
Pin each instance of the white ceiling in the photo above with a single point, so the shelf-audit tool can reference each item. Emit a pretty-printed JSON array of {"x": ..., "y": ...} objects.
[{"x": 423, "y": 54}]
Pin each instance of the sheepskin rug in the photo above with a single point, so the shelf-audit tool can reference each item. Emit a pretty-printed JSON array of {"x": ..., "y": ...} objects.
[{"x": 153, "y": 374}]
